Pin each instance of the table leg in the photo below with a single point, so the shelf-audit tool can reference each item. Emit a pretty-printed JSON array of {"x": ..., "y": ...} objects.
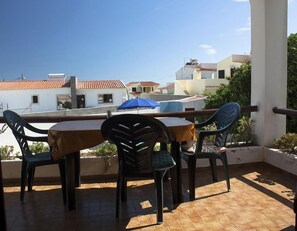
[
  {"x": 70, "y": 180},
  {"x": 77, "y": 168},
  {"x": 176, "y": 173}
]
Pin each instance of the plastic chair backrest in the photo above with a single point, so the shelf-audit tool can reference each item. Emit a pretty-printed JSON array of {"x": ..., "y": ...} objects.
[
  {"x": 135, "y": 137},
  {"x": 224, "y": 118},
  {"x": 17, "y": 124}
]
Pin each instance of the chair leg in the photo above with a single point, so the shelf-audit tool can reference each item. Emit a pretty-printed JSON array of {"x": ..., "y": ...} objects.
[
  {"x": 77, "y": 168},
  {"x": 192, "y": 176},
  {"x": 63, "y": 180},
  {"x": 23, "y": 180},
  {"x": 295, "y": 208},
  {"x": 124, "y": 189},
  {"x": 163, "y": 147},
  {"x": 225, "y": 164},
  {"x": 31, "y": 174},
  {"x": 159, "y": 175},
  {"x": 213, "y": 165},
  {"x": 118, "y": 195}
]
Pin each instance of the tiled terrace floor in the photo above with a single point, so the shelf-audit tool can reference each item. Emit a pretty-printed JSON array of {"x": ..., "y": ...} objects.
[{"x": 261, "y": 198}]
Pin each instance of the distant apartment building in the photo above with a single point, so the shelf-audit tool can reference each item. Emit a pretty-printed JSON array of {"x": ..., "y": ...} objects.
[
  {"x": 58, "y": 93},
  {"x": 199, "y": 78},
  {"x": 226, "y": 67},
  {"x": 136, "y": 88},
  {"x": 186, "y": 72},
  {"x": 168, "y": 89}
]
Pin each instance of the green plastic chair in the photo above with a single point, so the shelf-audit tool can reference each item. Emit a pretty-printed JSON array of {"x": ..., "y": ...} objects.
[
  {"x": 135, "y": 137},
  {"x": 32, "y": 160},
  {"x": 223, "y": 119}
]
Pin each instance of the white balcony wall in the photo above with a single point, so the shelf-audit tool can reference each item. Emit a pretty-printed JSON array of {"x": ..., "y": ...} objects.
[
  {"x": 179, "y": 87},
  {"x": 185, "y": 72},
  {"x": 198, "y": 86},
  {"x": 204, "y": 74}
]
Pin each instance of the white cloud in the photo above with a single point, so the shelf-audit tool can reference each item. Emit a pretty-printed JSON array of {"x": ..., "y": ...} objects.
[
  {"x": 205, "y": 46},
  {"x": 208, "y": 49},
  {"x": 240, "y": 0},
  {"x": 243, "y": 29}
]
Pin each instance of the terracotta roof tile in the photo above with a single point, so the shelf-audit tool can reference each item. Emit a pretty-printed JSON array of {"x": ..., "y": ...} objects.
[
  {"x": 99, "y": 84},
  {"x": 144, "y": 83},
  {"x": 47, "y": 84},
  {"x": 38, "y": 84},
  {"x": 168, "y": 86}
]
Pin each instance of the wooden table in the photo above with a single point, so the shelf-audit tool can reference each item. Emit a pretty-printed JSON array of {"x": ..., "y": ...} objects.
[{"x": 67, "y": 138}]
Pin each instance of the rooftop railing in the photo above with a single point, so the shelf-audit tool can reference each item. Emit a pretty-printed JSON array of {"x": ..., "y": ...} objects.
[
  {"x": 187, "y": 114},
  {"x": 288, "y": 112}
]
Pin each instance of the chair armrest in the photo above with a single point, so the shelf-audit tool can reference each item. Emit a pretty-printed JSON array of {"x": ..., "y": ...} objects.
[
  {"x": 204, "y": 123},
  {"x": 205, "y": 133},
  {"x": 32, "y": 138},
  {"x": 36, "y": 130},
  {"x": 37, "y": 138}
]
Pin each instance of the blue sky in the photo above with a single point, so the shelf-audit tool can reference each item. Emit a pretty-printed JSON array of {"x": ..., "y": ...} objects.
[{"x": 130, "y": 40}]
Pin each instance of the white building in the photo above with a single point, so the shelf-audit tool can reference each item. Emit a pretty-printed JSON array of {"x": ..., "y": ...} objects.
[
  {"x": 193, "y": 103},
  {"x": 199, "y": 78},
  {"x": 226, "y": 67},
  {"x": 137, "y": 88},
  {"x": 29, "y": 96}
]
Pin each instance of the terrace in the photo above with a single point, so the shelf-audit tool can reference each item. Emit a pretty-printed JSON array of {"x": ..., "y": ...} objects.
[
  {"x": 261, "y": 196},
  {"x": 260, "y": 199}
]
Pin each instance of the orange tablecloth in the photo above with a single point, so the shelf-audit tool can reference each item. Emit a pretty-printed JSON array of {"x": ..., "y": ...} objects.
[
  {"x": 72, "y": 136},
  {"x": 180, "y": 129}
]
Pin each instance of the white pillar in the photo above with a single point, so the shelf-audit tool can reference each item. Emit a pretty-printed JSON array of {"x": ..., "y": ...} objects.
[{"x": 269, "y": 67}]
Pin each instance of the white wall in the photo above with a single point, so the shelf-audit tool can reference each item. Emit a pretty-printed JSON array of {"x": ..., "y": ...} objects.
[
  {"x": 269, "y": 67},
  {"x": 18, "y": 100},
  {"x": 197, "y": 104},
  {"x": 179, "y": 87},
  {"x": 233, "y": 61},
  {"x": 204, "y": 74},
  {"x": 185, "y": 72},
  {"x": 91, "y": 96},
  {"x": 198, "y": 86}
]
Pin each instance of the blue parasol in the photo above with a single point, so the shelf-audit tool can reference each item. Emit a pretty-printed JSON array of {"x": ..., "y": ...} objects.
[{"x": 139, "y": 103}]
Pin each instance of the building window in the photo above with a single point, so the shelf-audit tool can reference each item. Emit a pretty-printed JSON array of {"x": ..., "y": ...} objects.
[
  {"x": 232, "y": 71},
  {"x": 105, "y": 98},
  {"x": 34, "y": 98},
  {"x": 221, "y": 74},
  {"x": 63, "y": 102}
]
